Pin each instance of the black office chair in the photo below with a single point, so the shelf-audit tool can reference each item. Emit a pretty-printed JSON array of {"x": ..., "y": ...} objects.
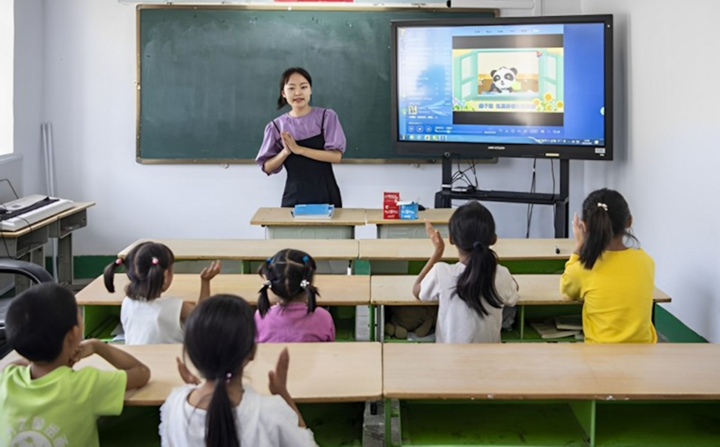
[{"x": 32, "y": 271}]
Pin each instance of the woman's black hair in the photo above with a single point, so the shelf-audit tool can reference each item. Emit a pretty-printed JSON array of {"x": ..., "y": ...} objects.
[
  {"x": 285, "y": 77},
  {"x": 145, "y": 266},
  {"x": 219, "y": 337},
  {"x": 289, "y": 273},
  {"x": 472, "y": 229},
  {"x": 606, "y": 215}
]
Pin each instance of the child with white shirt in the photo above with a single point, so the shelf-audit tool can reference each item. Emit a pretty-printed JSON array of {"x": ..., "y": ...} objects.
[
  {"x": 223, "y": 411},
  {"x": 146, "y": 317},
  {"x": 472, "y": 292}
]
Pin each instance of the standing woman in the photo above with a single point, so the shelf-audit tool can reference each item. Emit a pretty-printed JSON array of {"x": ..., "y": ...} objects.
[{"x": 306, "y": 140}]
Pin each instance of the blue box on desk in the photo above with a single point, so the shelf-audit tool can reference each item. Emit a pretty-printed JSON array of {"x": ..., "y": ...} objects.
[
  {"x": 313, "y": 211},
  {"x": 408, "y": 210}
]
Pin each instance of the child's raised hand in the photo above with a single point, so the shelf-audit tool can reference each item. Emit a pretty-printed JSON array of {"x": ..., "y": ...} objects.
[
  {"x": 185, "y": 373},
  {"x": 209, "y": 273},
  {"x": 278, "y": 378},
  {"x": 579, "y": 232},
  {"x": 435, "y": 237}
]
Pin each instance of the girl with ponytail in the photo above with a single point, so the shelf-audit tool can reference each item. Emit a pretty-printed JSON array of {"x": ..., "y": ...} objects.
[
  {"x": 294, "y": 316},
  {"x": 472, "y": 292},
  {"x": 615, "y": 282},
  {"x": 222, "y": 411},
  {"x": 145, "y": 316}
]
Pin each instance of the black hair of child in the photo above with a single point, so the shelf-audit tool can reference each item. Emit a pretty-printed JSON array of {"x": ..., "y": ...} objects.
[
  {"x": 472, "y": 230},
  {"x": 606, "y": 215},
  {"x": 38, "y": 320},
  {"x": 288, "y": 274},
  {"x": 219, "y": 337},
  {"x": 145, "y": 266}
]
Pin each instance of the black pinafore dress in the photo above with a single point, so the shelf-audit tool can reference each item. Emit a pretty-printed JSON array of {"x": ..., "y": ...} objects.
[{"x": 310, "y": 181}]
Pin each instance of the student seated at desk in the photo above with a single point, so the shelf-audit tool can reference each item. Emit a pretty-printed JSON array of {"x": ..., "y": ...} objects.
[
  {"x": 473, "y": 292},
  {"x": 615, "y": 282},
  {"x": 43, "y": 401},
  {"x": 146, "y": 318},
  {"x": 222, "y": 411},
  {"x": 296, "y": 318}
]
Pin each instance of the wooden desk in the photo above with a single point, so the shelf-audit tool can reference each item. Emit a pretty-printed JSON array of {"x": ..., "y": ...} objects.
[
  {"x": 553, "y": 371},
  {"x": 506, "y": 249},
  {"x": 535, "y": 290},
  {"x": 101, "y": 309},
  {"x": 409, "y": 229},
  {"x": 335, "y": 290},
  {"x": 28, "y": 243},
  {"x": 393, "y": 290},
  {"x": 280, "y": 224},
  {"x": 330, "y": 381},
  {"x": 319, "y": 372},
  {"x": 543, "y": 393},
  {"x": 254, "y": 249}
]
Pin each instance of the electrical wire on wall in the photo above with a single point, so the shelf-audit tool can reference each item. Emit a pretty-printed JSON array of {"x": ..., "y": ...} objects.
[{"x": 462, "y": 175}]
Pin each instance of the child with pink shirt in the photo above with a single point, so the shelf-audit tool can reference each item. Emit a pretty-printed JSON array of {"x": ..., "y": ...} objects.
[{"x": 295, "y": 316}]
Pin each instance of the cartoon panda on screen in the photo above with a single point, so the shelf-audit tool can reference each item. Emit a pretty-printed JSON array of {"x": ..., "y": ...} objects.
[{"x": 503, "y": 79}]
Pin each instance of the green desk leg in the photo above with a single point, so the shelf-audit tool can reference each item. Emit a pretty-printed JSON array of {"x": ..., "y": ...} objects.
[
  {"x": 245, "y": 267},
  {"x": 388, "y": 422},
  {"x": 586, "y": 416}
]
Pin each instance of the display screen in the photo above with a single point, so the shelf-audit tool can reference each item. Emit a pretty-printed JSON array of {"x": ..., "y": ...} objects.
[{"x": 502, "y": 88}]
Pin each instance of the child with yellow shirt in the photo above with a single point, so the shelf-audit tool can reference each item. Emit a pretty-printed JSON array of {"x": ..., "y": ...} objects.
[{"x": 614, "y": 281}]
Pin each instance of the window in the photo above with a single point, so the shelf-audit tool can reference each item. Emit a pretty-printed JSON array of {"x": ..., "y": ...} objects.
[{"x": 7, "y": 66}]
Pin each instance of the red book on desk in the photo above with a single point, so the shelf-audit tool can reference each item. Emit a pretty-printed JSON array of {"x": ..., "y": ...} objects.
[{"x": 391, "y": 209}]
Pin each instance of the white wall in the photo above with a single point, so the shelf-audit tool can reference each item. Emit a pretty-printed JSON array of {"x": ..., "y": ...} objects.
[
  {"x": 29, "y": 75},
  {"x": 6, "y": 77},
  {"x": 668, "y": 146},
  {"x": 90, "y": 98},
  {"x": 25, "y": 169}
]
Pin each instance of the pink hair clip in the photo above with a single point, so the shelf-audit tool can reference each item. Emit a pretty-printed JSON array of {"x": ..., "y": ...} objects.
[
  {"x": 118, "y": 261},
  {"x": 155, "y": 261}
]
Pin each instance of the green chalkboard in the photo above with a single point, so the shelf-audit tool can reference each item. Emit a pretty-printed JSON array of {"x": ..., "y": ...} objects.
[{"x": 208, "y": 77}]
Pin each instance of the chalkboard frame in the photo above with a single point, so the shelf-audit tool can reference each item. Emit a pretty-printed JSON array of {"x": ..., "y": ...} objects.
[{"x": 433, "y": 8}]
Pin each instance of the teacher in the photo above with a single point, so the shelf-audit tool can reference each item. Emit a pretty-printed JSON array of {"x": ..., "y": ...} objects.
[{"x": 306, "y": 140}]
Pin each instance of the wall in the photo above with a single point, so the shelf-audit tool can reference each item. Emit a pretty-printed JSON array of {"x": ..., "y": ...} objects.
[
  {"x": 88, "y": 91},
  {"x": 90, "y": 99},
  {"x": 667, "y": 146},
  {"x": 24, "y": 169},
  {"x": 29, "y": 75}
]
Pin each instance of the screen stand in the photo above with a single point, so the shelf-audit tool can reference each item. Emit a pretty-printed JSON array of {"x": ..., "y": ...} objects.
[{"x": 561, "y": 202}]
